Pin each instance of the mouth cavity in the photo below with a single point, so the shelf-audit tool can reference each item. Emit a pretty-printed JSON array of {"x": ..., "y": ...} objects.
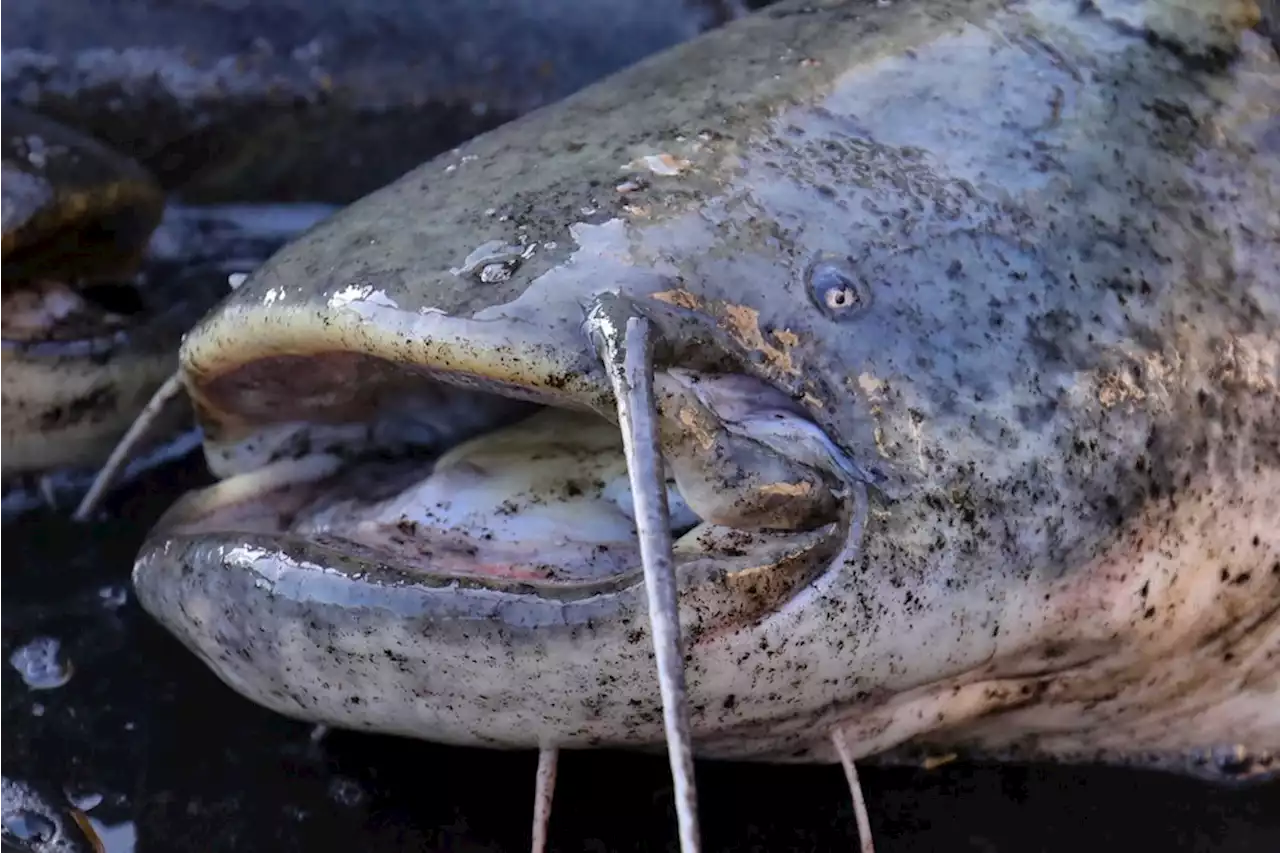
[{"x": 450, "y": 477}]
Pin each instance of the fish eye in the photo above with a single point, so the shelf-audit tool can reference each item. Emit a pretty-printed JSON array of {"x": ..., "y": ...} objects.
[
  {"x": 836, "y": 289},
  {"x": 838, "y": 298}
]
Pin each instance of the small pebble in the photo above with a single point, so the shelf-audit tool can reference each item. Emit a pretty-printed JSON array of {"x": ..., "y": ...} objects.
[
  {"x": 345, "y": 791},
  {"x": 85, "y": 801},
  {"x": 42, "y": 664},
  {"x": 114, "y": 596}
]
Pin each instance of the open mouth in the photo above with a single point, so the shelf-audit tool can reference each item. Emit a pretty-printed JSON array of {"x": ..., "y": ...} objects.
[
  {"x": 460, "y": 479},
  {"x": 425, "y": 508}
]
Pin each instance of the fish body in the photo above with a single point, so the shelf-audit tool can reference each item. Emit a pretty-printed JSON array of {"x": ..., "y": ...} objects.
[{"x": 1008, "y": 269}]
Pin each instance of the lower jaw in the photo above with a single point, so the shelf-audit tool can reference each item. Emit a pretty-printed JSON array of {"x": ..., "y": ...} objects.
[
  {"x": 363, "y": 648},
  {"x": 315, "y": 634},
  {"x": 328, "y": 633},
  {"x": 318, "y": 635}
]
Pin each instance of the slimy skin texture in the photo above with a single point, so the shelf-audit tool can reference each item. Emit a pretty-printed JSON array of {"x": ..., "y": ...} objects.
[{"x": 1060, "y": 380}]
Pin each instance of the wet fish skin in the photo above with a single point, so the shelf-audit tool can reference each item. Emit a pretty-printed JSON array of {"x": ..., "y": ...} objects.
[{"x": 1063, "y": 391}]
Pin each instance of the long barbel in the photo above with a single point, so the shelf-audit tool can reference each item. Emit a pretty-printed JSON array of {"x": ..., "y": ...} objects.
[
  {"x": 624, "y": 342},
  {"x": 544, "y": 790}
]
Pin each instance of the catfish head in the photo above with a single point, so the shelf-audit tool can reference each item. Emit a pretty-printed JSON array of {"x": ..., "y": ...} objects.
[{"x": 965, "y": 354}]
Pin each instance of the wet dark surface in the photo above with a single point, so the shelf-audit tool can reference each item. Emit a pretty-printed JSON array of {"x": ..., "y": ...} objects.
[{"x": 194, "y": 767}]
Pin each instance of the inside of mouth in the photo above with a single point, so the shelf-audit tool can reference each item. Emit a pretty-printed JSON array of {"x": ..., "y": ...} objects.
[
  {"x": 544, "y": 499},
  {"x": 50, "y": 310},
  {"x": 443, "y": 479}
]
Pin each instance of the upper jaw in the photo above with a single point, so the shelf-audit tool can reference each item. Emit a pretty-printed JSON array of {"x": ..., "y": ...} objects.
[
  {"x": 252, "y": 367},
  {"x": 277, "y": 352},
  {"x": 289, "y": 384}
]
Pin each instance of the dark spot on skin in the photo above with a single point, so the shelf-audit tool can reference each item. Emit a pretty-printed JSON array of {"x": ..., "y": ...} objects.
[
  {"x": 1053, "y": 651},
  {"x": 79, "y": 409}
]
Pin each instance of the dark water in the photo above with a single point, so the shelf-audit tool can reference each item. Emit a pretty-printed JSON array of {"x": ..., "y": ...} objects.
[{"x": 181, "y": 763}]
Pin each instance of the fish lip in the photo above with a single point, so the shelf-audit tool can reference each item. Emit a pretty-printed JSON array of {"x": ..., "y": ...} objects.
[
  {"x": 507, "y": 359},
  {"x": 343, "y": 563},
  {"x": 270, "y": 628},
  {"x": 301, "y": 569},
  {"x": 280, "y": 560}
]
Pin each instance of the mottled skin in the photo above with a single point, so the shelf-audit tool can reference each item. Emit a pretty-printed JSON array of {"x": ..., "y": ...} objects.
[{"x": 1063, "y": 390}]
